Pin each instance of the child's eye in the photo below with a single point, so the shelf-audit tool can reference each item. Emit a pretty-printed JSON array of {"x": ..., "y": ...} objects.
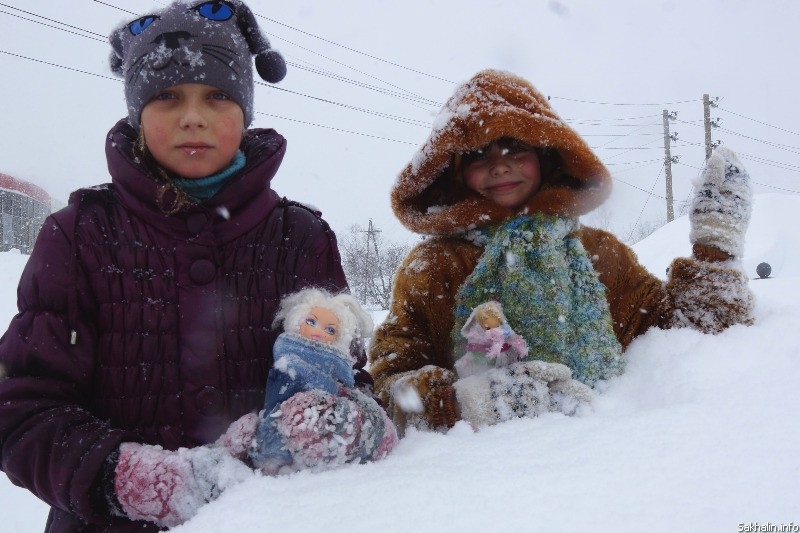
[
  {"x": 474, "y": 156},
  {"x": 217, "y": 11},
  {"x": 138, "y": 26},
  {"x": 219, "y": 95},
  {"x": 164, "y": 95}
]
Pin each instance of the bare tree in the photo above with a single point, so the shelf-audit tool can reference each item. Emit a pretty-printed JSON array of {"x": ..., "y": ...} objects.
[
  {"x": 369, "y": 262},
  {"x": 643, "y": 229}
]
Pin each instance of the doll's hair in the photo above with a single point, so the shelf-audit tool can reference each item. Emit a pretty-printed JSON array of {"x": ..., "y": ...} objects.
[
  {"x": 354, "y": 322},
  {"x": 492, "y": 308},
  {"x": 484, "y": 311}
]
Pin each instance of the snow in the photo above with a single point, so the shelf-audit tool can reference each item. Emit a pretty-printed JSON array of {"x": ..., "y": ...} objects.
[{"x": 699, "y": 434}]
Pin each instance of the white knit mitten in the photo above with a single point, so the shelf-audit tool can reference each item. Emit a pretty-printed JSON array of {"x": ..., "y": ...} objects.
[
  {"x": 521, "y": 390},
  {"x": 721, "y": 207}
]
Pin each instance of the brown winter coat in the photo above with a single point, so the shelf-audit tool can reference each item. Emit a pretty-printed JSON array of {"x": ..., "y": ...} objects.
[{"x": 430, "y": 199}]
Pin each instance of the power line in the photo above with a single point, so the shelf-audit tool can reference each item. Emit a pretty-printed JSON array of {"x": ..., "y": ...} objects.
[
  {"x": 335, "y": 128},
  {"x": 758, "y": 121},
  {"x": 90, "y": 36},
  {"x": 354, "y": 50},
  {"x": 650, "y": 193},
  {"x": 790, "y": 149},
  {"x": 115, "y": 7},
  {"x": 351, "y": 107},
  {"x": 662, "y": 104},
  {"x": 337, "y": 77},
  {"x": 60, "y": 66}
]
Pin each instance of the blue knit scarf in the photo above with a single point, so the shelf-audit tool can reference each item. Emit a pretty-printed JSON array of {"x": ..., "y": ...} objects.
[
  {"x": 537, "y": 268},
  {"x": 201, "y": 189}
]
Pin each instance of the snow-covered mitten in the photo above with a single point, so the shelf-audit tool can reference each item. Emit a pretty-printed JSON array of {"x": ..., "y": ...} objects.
[
  {"x": 238, "y": 439},
  {"x": 721, "y": 207},
  {"x": 520, "y": 390},
  {"x": 424, "y": 399},
  {"x": 322, "y": 431},
  {"x": 709, "y": 296},
  {"x": 567, "y": 395},
  {"x": 168, "y": 487}
]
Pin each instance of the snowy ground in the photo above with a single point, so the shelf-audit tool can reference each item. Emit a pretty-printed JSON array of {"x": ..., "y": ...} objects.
[{"x": 700, "y": 434}]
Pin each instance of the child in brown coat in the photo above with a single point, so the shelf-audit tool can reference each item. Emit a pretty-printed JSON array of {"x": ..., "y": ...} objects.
[{"x": 498, "y": 188}]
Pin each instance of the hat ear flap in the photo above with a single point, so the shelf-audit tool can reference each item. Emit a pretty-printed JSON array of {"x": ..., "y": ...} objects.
[{"x": 270, "y": 64}]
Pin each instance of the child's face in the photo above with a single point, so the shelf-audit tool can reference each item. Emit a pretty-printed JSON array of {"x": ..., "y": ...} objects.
[
  {"x": 506, "y": 174},
  {"x": 192, "y": 129},
  {"x": 320, "y": 325}
]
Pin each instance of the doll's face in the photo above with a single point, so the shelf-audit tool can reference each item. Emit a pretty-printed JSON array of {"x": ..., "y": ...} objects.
[
  {"x": 320, "y": 325},
  {"x": 489, "y": 322}
]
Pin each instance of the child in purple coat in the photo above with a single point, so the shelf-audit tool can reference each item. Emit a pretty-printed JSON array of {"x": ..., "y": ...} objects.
[{"x": 132, "y": 374}]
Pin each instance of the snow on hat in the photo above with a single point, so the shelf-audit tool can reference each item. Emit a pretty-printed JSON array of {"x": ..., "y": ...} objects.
[{"x": 206, "y": 42}]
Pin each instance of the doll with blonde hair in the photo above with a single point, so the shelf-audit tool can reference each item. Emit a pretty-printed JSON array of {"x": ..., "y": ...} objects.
[
  {"x": 490, "y": 341},
  {"x": 311, "y": 388}
]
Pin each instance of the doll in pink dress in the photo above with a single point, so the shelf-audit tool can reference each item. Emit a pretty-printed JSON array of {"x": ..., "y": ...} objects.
[{"x": 491, "y": 342}]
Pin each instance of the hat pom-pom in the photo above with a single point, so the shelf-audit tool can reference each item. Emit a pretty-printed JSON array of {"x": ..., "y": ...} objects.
[{"x": 271, "y": 66}]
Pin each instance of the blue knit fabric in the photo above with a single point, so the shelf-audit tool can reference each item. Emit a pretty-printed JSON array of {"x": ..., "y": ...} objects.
[
  {"x": 537, "y": 268},
  {"x": 201, "y": 189},
  {"x": 300, "y": 365}
]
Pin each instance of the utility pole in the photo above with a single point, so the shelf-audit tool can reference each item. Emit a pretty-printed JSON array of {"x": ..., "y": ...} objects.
[
  {"x": 372, "y": 268},
  {"x": 708, "y": 123},
  {"x": 668, "y": 160}
]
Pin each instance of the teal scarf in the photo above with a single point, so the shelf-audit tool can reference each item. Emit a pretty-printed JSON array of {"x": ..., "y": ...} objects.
[
  {"x": 201, "y": 189},
  {"x": 537, "y": 268}
]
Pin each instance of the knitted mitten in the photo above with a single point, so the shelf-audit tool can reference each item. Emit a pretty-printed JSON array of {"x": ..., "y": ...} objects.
[
  {"x": 567, "y": 395},
  {"x": 424, "y": 399},
  {"x": 521, "y": 390},
  {"x": 721, "y": 207},
  {"x": 238, "y": 439},
  {"x": 168, "y": 487},
  {"x": 321, "y": 431},
  {"x": 709, "y": 296}
]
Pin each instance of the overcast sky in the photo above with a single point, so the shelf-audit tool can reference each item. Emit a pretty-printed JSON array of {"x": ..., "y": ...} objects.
[{"x": 366, "y": 78}]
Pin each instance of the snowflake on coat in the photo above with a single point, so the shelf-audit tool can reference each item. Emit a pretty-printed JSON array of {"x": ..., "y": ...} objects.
[{"x": 491, "y": 343}]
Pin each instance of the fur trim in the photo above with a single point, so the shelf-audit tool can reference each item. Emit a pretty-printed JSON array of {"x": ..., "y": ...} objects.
[{"x": 495, "y": 104}]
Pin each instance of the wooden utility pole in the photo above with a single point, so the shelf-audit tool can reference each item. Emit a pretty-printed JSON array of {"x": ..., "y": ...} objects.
[
  {"x": 707, "y": 123},
  {"x": 668, "y": 166}
]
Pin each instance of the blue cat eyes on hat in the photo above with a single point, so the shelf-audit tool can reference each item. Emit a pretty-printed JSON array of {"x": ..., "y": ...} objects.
[{"x": 207, "y": 42}]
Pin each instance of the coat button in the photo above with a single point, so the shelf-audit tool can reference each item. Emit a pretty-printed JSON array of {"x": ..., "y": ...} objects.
[
  {"x": 202, "y": 271},
  {"x": 195, "y": 222},
  {"x": 209, "y": 401}
]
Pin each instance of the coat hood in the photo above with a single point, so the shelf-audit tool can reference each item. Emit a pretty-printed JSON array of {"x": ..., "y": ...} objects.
[{"x": 491, "y": 105}]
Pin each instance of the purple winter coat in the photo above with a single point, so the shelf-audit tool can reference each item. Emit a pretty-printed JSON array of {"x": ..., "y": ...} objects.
[{"x": 172, "y": 317}]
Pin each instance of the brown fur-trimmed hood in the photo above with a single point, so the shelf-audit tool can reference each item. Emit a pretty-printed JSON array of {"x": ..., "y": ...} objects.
[{"x": 491, "y": 105}]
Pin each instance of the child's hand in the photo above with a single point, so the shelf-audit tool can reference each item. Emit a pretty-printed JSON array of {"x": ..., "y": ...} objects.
[
  {"x": 238, "y": 439},
  {"x": 322, "y": 431},
  {"x": 721, "y": 207},
  {"x": 436, "y": 407},
  {"x": 168, "y": 487},
  {"x": 521, "y": 390}
]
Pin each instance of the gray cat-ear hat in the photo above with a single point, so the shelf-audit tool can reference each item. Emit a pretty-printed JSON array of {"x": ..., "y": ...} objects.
[{"x": 206, "y": 42}]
